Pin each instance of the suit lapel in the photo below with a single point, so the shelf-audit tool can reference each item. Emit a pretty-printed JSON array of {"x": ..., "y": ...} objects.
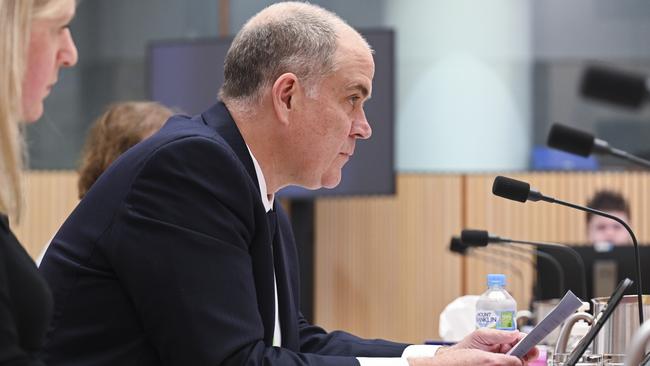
[{"x": 261, "y": 253}]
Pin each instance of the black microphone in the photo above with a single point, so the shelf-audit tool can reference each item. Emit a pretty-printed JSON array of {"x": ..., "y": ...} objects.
[
  {"x": 622, "y": 88},
  {"x": 513, "y": 189},
  {"x": 478, "y": 238},
  {"x": 457, "y": 246},
  {"x": 582, "y": 143},
  {"x": 481, "y": 238}
]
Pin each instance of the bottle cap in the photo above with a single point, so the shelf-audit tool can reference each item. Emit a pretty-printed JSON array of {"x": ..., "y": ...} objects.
[{"x": 496, "y": 279}]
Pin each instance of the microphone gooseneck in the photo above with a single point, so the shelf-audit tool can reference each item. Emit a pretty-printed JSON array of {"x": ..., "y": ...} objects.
[
  {"x": 566, "y": 248},
  {"x": 554, "y": 262},
  {"x": 506, "y": 191}
]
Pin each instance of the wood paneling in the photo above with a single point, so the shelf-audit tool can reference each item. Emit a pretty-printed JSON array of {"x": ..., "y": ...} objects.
[
  {"x": 382, "y": 264},
  {"x": 50, "y": 196}
]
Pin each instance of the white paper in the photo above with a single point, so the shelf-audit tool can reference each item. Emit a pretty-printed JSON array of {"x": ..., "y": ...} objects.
[{"x": 569, "y": 304}]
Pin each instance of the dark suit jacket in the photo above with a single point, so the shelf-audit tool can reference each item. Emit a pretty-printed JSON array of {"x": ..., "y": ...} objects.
[{"x": 169, "y": 260}]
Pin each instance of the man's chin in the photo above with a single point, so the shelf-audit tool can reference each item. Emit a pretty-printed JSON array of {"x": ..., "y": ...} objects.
[{"x": 330, "y": 182}]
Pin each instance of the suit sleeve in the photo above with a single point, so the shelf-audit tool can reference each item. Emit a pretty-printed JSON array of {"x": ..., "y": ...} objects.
[
  {"x": 180, "y": 247},
  {"x": 317, "y": 340}
]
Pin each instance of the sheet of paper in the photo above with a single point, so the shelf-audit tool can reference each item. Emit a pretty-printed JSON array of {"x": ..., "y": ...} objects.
[{"x": 569, "y": 304}]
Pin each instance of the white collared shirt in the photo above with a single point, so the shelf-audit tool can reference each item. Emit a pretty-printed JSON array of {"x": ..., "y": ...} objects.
[
  {"x": 267, "y": 201},
  {"x": 410, "y": 351}
]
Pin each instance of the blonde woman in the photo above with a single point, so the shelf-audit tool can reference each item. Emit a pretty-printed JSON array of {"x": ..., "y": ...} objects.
[{"x": 35, "y": 43}]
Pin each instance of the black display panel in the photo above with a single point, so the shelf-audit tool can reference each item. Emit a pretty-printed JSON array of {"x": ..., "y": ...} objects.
[{"x": 619, "y": 263}]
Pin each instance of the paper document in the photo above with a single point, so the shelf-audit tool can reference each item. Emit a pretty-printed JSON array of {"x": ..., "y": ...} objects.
[{"x": 569, "y": 304}]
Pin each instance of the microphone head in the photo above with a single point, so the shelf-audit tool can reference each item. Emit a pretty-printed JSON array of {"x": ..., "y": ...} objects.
[
  {"x": 625, "y": 89},
  {"x": 511, "y": 189},
  {"x": 457, "y": 246},
  {"x": 475, "y": 238},
  {"x": 570, "y": 140}
]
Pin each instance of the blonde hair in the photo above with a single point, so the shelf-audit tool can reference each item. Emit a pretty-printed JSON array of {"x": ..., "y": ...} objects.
[
  {"x": 118, "y": 129},
  {"x": 16, "y": 18}
]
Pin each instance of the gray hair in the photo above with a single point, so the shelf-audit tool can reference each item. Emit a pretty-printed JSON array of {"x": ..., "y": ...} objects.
[{"x": 286, "y": 37}]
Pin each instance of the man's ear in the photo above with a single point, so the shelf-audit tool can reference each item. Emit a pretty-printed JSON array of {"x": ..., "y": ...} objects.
[{"x": 282, "y": 94}]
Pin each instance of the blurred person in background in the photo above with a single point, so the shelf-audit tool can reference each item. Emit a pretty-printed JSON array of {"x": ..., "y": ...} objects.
[
  {"x": 605, "y": 233},
  {"x": 35, "y": 43},
  {"x": 121, "y": 126}
]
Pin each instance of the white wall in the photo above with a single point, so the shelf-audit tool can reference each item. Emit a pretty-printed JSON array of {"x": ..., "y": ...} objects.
[{"x": 463, "y": 95}]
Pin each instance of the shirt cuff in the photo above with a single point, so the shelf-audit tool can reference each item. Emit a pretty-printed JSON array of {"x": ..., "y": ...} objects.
[
  {"x": 382, "y": 361},
  {"x": 416, "y": 350},
  {"x": 420, "y": 350}
]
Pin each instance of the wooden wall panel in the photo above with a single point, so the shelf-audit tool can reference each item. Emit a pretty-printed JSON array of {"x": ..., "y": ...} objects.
[
  {"x": 50, "y": 198},
  {"x": 382, "y": 264}
]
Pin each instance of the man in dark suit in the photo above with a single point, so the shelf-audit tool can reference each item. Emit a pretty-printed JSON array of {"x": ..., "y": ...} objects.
[{"x": 178, "y": 255}]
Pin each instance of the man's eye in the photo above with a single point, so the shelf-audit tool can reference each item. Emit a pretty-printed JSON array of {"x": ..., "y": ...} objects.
[{"x": 354, "y": 99}]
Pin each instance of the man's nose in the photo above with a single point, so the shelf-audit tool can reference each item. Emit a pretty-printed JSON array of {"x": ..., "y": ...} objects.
[{"x": 361, "y": 127}]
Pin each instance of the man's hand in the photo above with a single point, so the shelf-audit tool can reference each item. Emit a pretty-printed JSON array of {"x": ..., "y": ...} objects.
[
  {"x": 466, "y": 357},
  {"x": 482, "y": 347},
  {"x": 491, "y": 340}
]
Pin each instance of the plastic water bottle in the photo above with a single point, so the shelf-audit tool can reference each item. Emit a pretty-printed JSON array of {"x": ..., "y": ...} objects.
[{"x": 496, "y": 309}]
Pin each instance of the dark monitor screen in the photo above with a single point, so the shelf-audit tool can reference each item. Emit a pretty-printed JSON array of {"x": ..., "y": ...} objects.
[
  {"x": 187, "y": 75},
  {"x": 603, "y": 270}
]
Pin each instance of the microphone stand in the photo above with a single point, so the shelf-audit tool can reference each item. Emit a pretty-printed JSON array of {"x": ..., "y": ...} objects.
[
  {"x": 578, "y": 258},
  {"x": 627, "y": 156},
  {"x": 554, "y": 262},
  {"x": 629, "y": 230}
]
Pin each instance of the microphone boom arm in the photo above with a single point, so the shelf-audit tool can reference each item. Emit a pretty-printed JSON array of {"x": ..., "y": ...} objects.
[
  {"x": 551, "y": 260},
  {"x": 629, "y": 230}
]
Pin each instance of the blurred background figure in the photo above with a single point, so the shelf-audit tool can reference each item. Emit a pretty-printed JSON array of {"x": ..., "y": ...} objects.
[
  {"x": 123, "y": 125},
  {"x": 602, "y": 232}
]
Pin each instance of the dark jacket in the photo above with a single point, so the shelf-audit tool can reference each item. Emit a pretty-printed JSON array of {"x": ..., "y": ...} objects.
[{"x": 169, "y": 260}]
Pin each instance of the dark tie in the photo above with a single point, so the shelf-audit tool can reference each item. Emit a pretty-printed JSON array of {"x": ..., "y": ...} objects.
[{"x": 272, "y": 219}]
